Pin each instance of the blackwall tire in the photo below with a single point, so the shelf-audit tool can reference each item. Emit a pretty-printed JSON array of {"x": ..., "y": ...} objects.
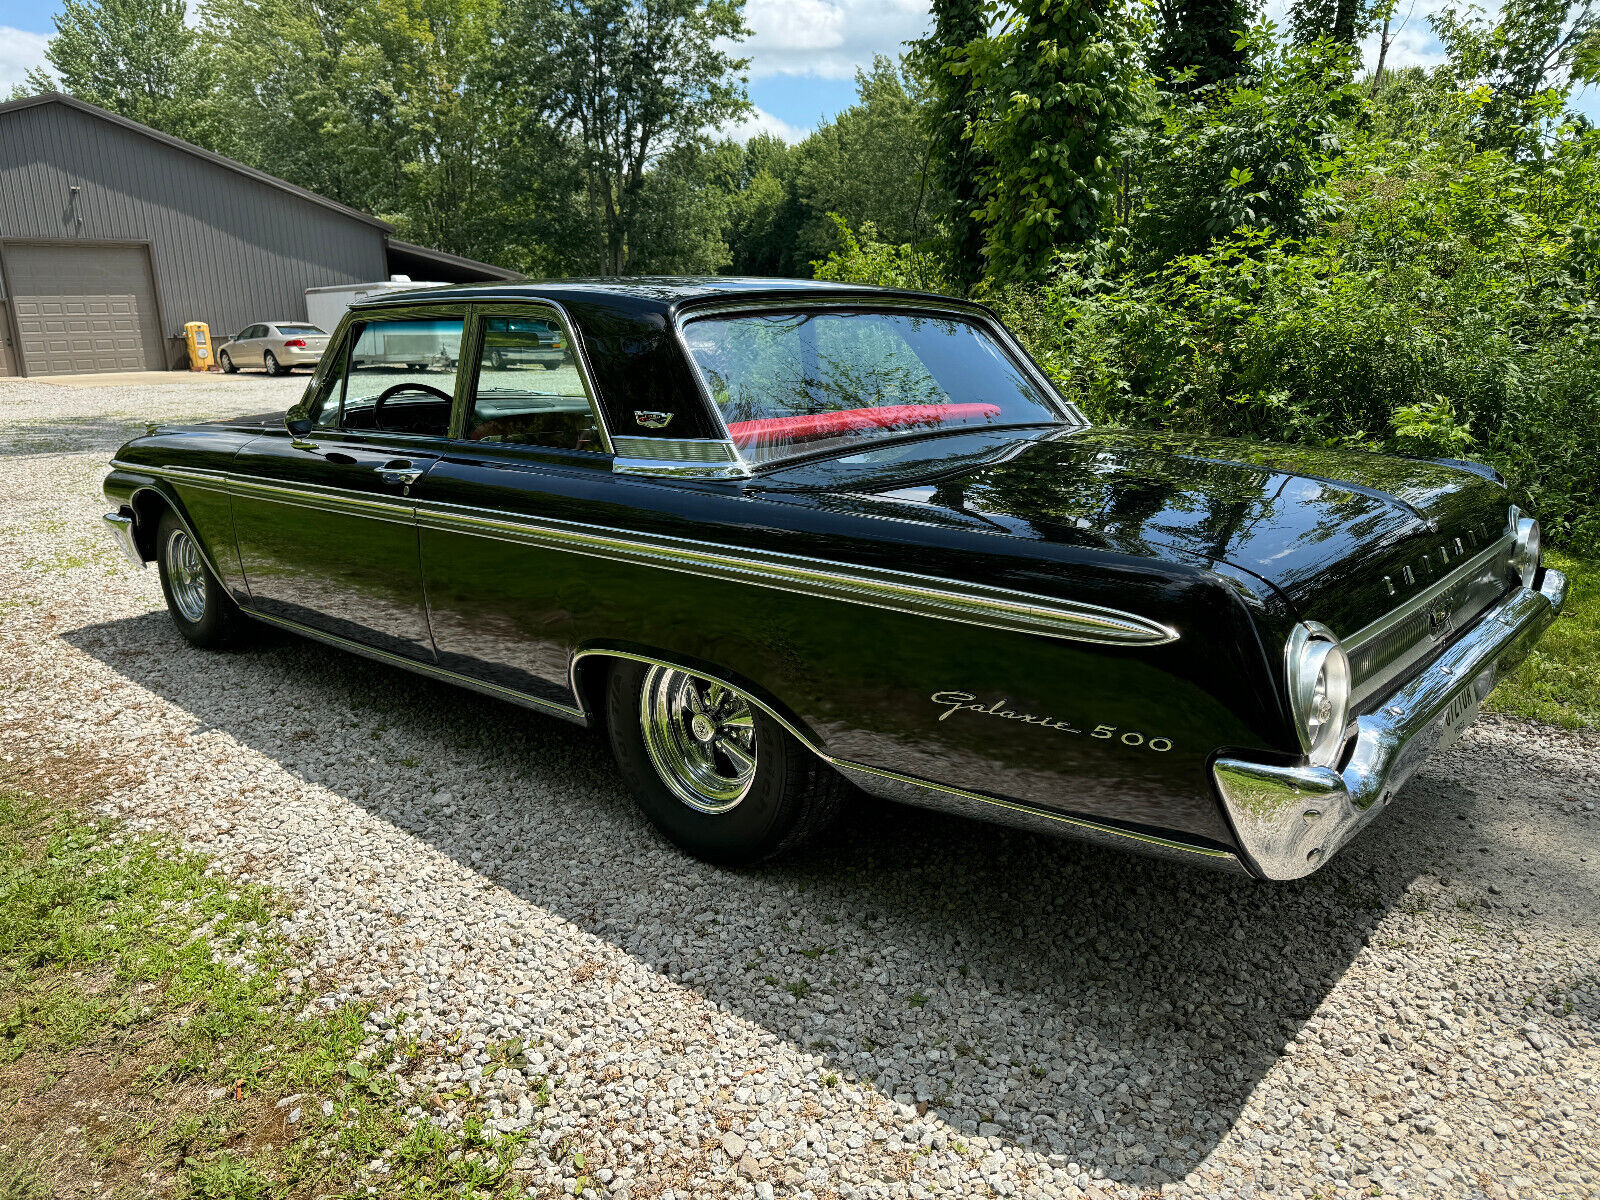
[
  {"x": 198, "y": 603},
  {"x": 270, "y": 362},
  {"x": 228, "y": 366},
  {"x": 734, "y": 788}
]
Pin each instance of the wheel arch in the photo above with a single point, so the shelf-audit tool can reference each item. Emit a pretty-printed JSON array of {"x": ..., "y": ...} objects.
[
  {"x": 591, "y": 663},
  {"x": 147, "y": 503}
]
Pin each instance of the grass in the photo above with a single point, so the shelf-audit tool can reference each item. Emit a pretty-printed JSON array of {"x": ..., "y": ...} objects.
[
  {"x": 147, "y": 1034},
  {"x": 1560, "y": 682}
]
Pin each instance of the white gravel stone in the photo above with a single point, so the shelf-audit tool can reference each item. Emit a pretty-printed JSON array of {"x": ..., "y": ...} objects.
[{"x": 1422, "y": 1016}]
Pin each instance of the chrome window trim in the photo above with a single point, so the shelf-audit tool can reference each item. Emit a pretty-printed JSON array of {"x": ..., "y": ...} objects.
[
  {"x": 1425, "y": 597},
  {"x": 580, "y": 358},
  {"x": 1013, "y": 349},
  {"x": 921, "y": 595}
]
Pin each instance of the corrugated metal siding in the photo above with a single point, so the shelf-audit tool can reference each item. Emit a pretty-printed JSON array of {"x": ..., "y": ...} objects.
[{"x": 227, "y": 249}]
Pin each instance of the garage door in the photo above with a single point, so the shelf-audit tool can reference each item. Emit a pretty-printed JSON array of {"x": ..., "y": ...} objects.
[{"x": 83, "y": 308}]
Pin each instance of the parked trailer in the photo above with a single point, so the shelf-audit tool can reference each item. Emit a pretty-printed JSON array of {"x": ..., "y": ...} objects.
[{"x": 326, "y": 305}]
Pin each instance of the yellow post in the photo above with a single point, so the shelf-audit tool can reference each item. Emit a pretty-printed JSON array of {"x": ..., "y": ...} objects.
[{"x": 198, "y": 335}]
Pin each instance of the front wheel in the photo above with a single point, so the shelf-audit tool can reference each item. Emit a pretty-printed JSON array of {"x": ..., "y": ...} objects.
[
  {"x": 227, "y": 363},
  {"x": 715, "y": 773},
  {"x": 200, "y": 607}
]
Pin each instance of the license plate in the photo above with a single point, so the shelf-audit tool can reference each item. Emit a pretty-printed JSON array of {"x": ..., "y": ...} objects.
[{"x": 1462, "y": 712}]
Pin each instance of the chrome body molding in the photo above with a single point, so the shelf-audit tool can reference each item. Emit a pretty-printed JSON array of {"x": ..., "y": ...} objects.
[
  {"x": 431, "y": 670},
  {"x": 702, "y": 458},
  {"x": 1290, "y": 819},
  {"x": 973, "y": 604},
  {"x": 922, "y": 793},
  {"x": 121, "y": 528},
  {"x": 951, "y": 600}
]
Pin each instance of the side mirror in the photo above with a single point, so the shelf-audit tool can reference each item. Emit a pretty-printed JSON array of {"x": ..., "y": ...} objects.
[{"x": 299, "y": 426}]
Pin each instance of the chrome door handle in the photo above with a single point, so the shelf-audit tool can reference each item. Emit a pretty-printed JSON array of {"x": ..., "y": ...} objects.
[{"x": 400, "y": 470}]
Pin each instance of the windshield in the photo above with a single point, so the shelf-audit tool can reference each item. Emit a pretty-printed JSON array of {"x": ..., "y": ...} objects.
[{"x": 796, "y": 383}]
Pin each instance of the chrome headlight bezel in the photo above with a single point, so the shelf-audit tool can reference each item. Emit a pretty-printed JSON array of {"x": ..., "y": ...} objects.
[
  {"x": 1318, "y": 674},
  {"x": 1525, "y": 553}
]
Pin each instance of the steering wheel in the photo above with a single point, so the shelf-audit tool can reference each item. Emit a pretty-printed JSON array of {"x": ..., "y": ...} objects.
[{"x": 383, "y": 397}]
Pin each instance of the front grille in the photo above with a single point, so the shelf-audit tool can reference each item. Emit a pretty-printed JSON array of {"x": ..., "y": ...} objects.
[{"x": 1395, "y": 645}]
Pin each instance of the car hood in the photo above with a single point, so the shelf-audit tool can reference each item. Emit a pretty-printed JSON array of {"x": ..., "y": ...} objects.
[{"x": 1324, "y": 526}]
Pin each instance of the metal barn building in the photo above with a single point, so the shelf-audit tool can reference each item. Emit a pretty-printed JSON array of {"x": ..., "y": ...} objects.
[{"x": 113, "y": 234}]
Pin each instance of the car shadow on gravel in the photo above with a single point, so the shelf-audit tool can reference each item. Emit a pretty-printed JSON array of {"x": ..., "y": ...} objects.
[
  {"x": 68, "y": 435},
  {"x": 1114, "y": 1009}
]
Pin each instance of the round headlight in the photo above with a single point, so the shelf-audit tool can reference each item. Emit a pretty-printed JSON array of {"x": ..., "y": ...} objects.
[
  {"x": 1525, "y": 554},
  {"x": 1319, "y": 691}
]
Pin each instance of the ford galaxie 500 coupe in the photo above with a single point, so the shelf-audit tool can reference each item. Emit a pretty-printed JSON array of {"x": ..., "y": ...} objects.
[{"x": 785, "y": 537}]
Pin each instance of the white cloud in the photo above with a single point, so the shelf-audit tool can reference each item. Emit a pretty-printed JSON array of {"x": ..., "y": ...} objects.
[
  {"x": 759, "y": 120},
  {"x": 828, "y": 38},
  {"x": 20, "y": 52}
]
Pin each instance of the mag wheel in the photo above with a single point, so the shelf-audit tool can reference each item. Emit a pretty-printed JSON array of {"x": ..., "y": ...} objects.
[{"x": 714, "y": 772}]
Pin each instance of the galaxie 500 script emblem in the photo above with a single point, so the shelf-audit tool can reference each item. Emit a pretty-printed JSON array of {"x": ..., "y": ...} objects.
[{"x": 954, "y": 702}]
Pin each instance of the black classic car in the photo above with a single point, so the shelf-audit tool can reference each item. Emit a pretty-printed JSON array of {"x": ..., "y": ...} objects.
[{"x": 782, "y": 538}]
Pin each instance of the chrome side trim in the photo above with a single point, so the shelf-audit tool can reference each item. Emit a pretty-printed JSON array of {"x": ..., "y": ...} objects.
[
  {"x": 431, "y": 670},
  {"x": 945, "y": 599},
  {"x": 922, "y": 793},
  {"x": 689, "y": 450},
  {"x": 973, "y": 604},
  {"x": 121, "y": 528},
  {"x": 1290, "y": 819}
]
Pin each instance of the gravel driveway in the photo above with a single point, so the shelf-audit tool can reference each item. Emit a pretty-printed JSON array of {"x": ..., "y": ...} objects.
[{"x": 920, "y": 1006}]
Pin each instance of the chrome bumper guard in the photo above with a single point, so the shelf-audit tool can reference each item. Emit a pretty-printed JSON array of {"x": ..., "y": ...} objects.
[
  {"x": 1290, "y": 820},
  {"x": 121, "y": 528}
]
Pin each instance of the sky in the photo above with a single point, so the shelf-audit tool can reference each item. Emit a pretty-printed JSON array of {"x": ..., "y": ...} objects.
[{"x": 803, "y": 53}]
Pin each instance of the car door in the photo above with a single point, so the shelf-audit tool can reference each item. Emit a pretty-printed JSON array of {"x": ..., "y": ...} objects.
[
  {"x": 325, "y": 522},
  {"x": 252, "y": 345},
  {"x": 529, "y": 447}
]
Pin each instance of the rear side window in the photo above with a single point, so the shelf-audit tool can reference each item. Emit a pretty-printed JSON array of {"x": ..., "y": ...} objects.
[{"x": 527, "y": 390}]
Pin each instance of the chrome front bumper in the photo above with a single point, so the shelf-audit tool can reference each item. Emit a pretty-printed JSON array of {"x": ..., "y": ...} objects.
[
  {"x": 1290, "y": 820},
  {"x": 121, "y": 528}
]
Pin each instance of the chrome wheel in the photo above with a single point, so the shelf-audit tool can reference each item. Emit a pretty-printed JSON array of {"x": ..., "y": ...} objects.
[
  {"x": 186, "y": 575},
  {"x": 700, "y": 737}
]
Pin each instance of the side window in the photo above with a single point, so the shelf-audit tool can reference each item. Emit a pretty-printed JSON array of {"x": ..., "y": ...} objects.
[
  {"x": 400, "y": 376},
  {"x": 527, "y": 387}
]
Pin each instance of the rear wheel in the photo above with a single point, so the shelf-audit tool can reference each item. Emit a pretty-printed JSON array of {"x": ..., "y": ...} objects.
[
  {"x": 200, "y": 607},
  {"x": 715, "y": 773},
  {"x": 270, "y": 362},
  {"x": 227, "y": 362}
]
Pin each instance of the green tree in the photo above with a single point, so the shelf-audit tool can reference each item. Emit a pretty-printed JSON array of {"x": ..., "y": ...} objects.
[
  {"x": 1526, "y": 59},
  {"x": 1060, "y": 81},
  {"x": 1201, "y": 38},
  {"x": 286, "y": 79},
  {"x": 870, "y": 165},
  {"x": 631, "y": 84},
  {"x": 951, "y": 108},
  {"x": 138, "y": 58},
  {"x": 1342, "y": 21}
]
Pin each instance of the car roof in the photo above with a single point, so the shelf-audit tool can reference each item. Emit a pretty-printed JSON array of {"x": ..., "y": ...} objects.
[{"x": 660, "y": 294}]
